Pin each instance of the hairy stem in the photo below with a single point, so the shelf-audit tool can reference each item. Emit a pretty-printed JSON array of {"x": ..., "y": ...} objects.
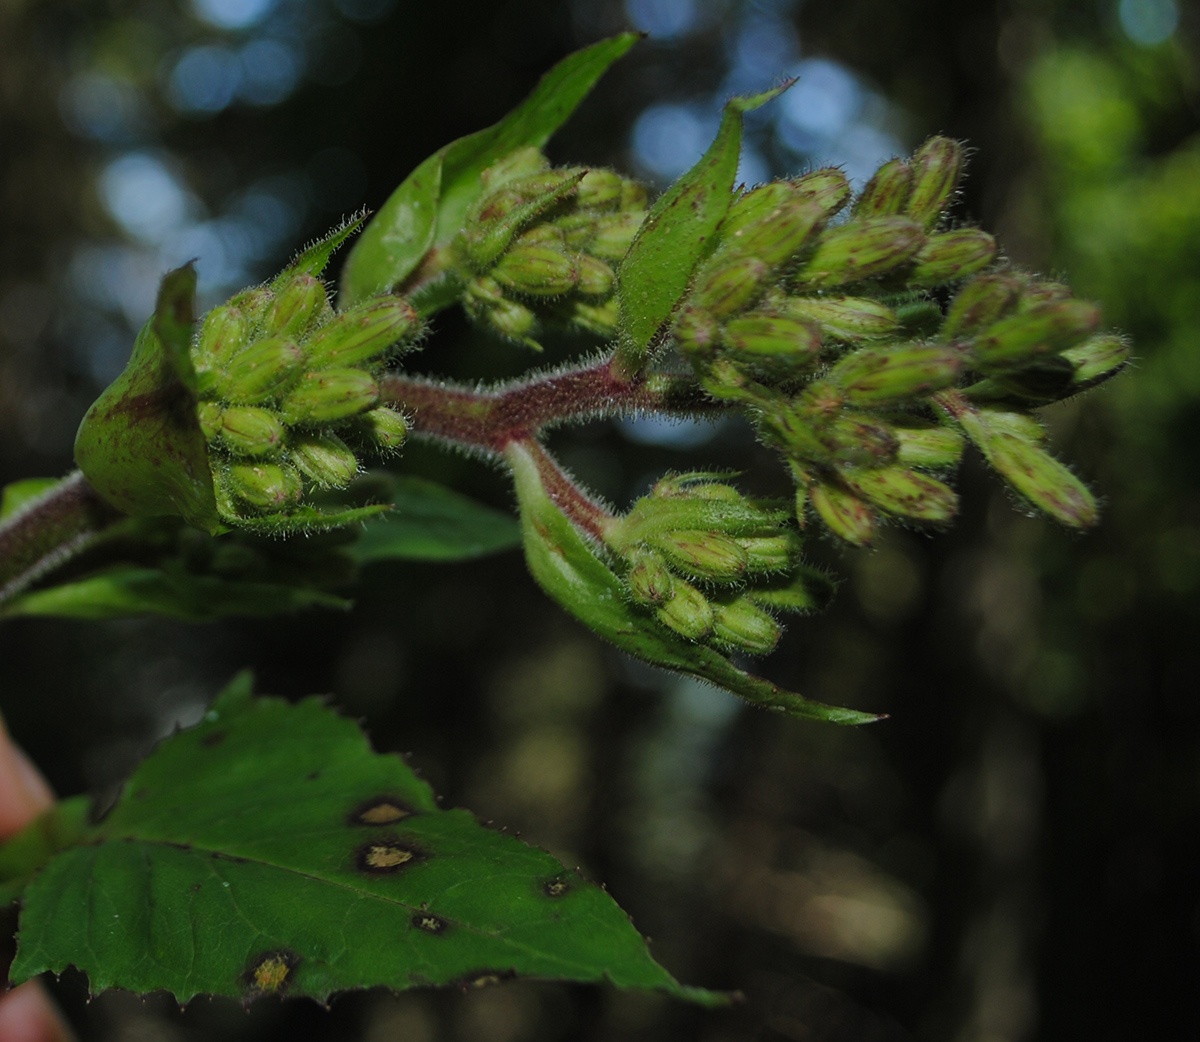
[
  {"x": 575, "y": 504},
  {"x": 49, "y": 531},
  {"x": 492, "y": 418}
]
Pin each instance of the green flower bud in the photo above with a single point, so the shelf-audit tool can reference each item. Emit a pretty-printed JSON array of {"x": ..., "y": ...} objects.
[
  {"x": 649, "y": 579},
  {"x": 860, "y": 249},
  {"x": 887, "y": 192},
  {"x": 538, "y": 271},
  {"x": 252, "y": 302},
  {"x": 209, "y": 416},
  {"x": 1045, "y": 379},
  {"x": 904, "y": 493},
  {"x": 578, "y": 229},
  {"x": 601, "y": 319},
  {"x": 847, "y": 318},
  {"x": 927, "y": 446},
  {"x": 828, "y": 186},
  {"x": 296, "y": 306},
  {"x": 980, "y": 303},
  {"x": 919, "y": 319},
  {"x": 857, "y": 440},
  {"x": 763, "y": 335},
  {"x": 250, "y": 431},
  {"x": 778, "y": 236},
  {"x": 1097, "y": 359},
  {"x": 223, "y": 333},
  {"x": 324, "y": 459},
  {"x": 383, "y": 427},
  {"x": 599, "y": 190},
  {"x": 843, "y": 513},
  {"x": 876, "y": 376},
  {"x": 770, "y": 553},
  {"x": 329, "y": 395},
  {"x": 522, "y": 163},
  {"x": 362, "y": 334},
  {"x": 544, "y": 234},
  {"x": 937, "y": 165},
  {"x": 613, "y": 234},
  {"x": 1021, "y": 425},
  {"x": 259, "y": 372},
  {"x": 741, "y": 625},
  {"x": 804, "y": 590},
  {"x": 696, "y": 331},
  {"x": 633, "y": 196},
  {"x": 696, "y": 485},
  {"x": 687, "y": 612},
  {"x": 595, "y": 277},
  {"x": 730, "y": 286},
  {"x": 496, "y": 219},
  {"x": 701, "y": 554},
  {"x": 725, "y": 381},
  {"x": 756, "y": 206},
  {"x": 1037, "y": 291},
  {"x": 267, "y": 487},
  {"x": 951, "y": 255},
  {"x": 1042, "y": 330}
]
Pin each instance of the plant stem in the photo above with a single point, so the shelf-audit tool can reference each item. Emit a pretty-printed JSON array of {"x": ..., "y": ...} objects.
[
  {"x": 492, "y": 418},
  {"x": 50, "y": 530},
  {"x": 575, "y": 504}
]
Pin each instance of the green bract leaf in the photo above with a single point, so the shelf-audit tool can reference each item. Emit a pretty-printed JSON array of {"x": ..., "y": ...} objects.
[
  {"x": 429, "y": 206},
  {"x": 432, "y": 523},
  {"x": 313, "y": 259},
  {"x": 268, "y": 850},
  {"x": 140, "y": 444},
  {"x": 127, "y": 591},
  {"x": 676, "y": 235},
  {"x": 567, "y": 567}
]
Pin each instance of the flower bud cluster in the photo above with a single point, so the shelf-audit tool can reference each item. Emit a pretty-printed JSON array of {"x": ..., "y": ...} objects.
[
  {"x": 541, "y": 246},
  {"x": 712, "y": 565},
  {"x": 814, "y": 313},
  {"x": 289, "y": 394}
]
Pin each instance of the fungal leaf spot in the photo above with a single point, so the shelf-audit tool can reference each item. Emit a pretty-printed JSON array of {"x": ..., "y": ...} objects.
[
  {"x": 556, "y": 887},
  {"x": 270, "y": 972},
  {"x": 429, "y": 923},
  {"x": 484, "y": 978},
  {"x": 381, "y": 810},
  {"x": 383, "y": 856}
]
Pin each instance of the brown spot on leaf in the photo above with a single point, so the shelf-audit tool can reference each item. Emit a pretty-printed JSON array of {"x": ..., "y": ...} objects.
[
  {"x": 270, "y": 972},
  {"x": 380, "y": 810},
  {"x": 555, "y": 887},
  {"x": 386, "y": 855},
  {"x": 429, "y": 923}
]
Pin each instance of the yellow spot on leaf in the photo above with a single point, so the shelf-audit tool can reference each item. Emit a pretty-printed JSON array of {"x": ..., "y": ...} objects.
[
  {"x": 270, "y": 974},
  {"x": 382, "y": 814},
  {"x": 385, "y": 856}
]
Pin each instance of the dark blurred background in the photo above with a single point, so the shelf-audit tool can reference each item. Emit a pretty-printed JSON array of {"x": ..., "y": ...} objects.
[{"x": 1012, "y": 855}]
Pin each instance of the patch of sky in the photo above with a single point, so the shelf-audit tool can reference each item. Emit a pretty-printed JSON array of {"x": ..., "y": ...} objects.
[
  {"x": 669, "y": 432},
  {"x": 103, "y": 108},
  {"x": 205, "y": 79},
  {"x": 1149, "y": 22},
  {"x": 662, "y": 19},
  {"x": 232, "y": 14}
]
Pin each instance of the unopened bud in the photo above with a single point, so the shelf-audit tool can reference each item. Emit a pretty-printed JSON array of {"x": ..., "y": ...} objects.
[
  {"x": 383, "y": 427},
  {"x": 981, "y": 302},
  {"x": 702, "y": 555},
  {"x": 753, "y": 207},
  {"x": 741, "y": 625},
  {"x": 887, "y": 192},
  {"x": 496, "y": 219},
  {"x": 846, "y": 318},
  {"x": 860, "y": 249},
  {"x": 843, "y": 513},
  {"x": 777, "y": 237},
  {"x": 857, "y": 440},
  {"x": 933, "y": 447},
  {"x": 223, "y": 333},
  {"x": 208, "y": 414},
  {"x": 252, "y": 302},
  {"x": 250, "y": 431},
  {"x": 599, "y": 190},
  {"x": 613, "y": 235},
  {"x": 633, "y": 196},
  {"x": 362, "y": 334},
  {"x": 763, "y": 335},
  {"x": 804, "y": 590},
  {"x": 951, "y": 255},
  {"x": 330, "y": 394},
  {"x": 577, "y": 229},
  {"x": 770, "y": 553},
  {"x": 731, "y": 286},
  {"x": 904, "y": 493},
  {"x": 1046, "y": 379},
  {"x": 1041, "y": 479},
  {"x": 1021, "y": 425},
  {"x": 687, "y": 612},
  {"x": 696, "y": 331},
  {"x": 937, "y": 165},
  {"x": 595, "y": 277},
  {"x": 1096, "y": 359},
  {"x": 1037, "y": 291},
  {"x": 649, "y": 580},
  {"x": 538, "y": 271},
  {"x": 519, "y": 164},
  {"x": 1043, "y": 330},
  {"x": 828, "y": 186},
  {"x": 876, "y": 376},
  {"x": 268, "y": 487},
  {"x": 297, "y": 305},
  {"x": 261, "y": 371},
  {"x": 324, "y": 459}
]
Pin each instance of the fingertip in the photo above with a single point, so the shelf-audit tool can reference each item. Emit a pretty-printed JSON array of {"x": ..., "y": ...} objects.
[
  {"x": 27, "y": 1014},
  {"x": 24, "y": 793}
]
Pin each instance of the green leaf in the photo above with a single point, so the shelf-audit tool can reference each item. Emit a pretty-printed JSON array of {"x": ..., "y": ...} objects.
[
  {"x": 571, "y": 572},
  {"x": 268, "y": 850},
  {"x": 140, "y": 444},
  {"x": 20, "y": 493},
  {"x": 428, "y": 208},
  {"x": 432, "y": 523},
  {"x": 676, "y": 235},
  {"x": 126, "y": 591}
]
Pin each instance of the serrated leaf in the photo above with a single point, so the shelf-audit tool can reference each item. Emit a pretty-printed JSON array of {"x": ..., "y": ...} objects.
[
  {"x": 140, "y": 444},
  {"x": 429, "y": 206},
  {"x": 433, "y": 523},
  {"x": 677, "y": 233},
  {"x": 126, "y": 591},
  {"x": 268, "y": 850}
]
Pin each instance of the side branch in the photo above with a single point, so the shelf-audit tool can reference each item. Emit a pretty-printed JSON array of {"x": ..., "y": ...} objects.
[{"x": 492, "y": 418}]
